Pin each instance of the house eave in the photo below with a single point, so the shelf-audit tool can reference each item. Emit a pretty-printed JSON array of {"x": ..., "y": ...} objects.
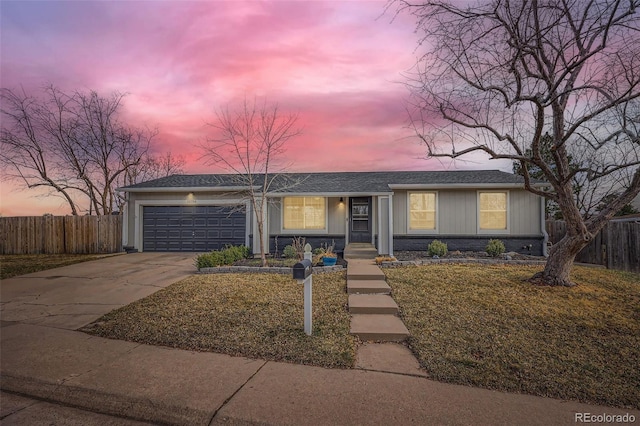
[
  {"x": 463, "y": 186},
  {"x": 187, "y": 189},
  {"x": 327, "y": 194}
]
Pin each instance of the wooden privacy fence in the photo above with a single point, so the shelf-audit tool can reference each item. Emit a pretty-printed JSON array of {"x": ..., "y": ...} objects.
[
  {"x": 60, "y": 234},
  {"x": 616, "y": 246}
]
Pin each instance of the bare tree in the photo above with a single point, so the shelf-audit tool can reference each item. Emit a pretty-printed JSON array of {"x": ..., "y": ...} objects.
[
  {"x": 249, "y": 143},
  {"x": 73, "y": 143},
  {"x": 494, "y": 76},
  {"x": 151, "y": 167},
  {"x": 30, "y": 153}
]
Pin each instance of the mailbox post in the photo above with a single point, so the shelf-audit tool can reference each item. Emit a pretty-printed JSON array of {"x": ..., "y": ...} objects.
[{"x": 303, "y": 273}]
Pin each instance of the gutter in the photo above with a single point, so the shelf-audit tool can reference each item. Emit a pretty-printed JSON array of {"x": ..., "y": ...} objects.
[
  {"x": 461, "y": 185},
  {"x": 188, "y": 189}
]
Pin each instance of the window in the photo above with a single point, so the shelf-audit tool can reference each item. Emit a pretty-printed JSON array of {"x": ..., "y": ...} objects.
[
  {"x": 304, "y": 213},
  {"x": 422, "y": 211},
  {"x": 493, "y": 211}
]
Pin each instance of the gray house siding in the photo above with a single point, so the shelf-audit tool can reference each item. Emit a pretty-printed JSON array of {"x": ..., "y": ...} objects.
[
  {"x": 457, "y": 222},
  {"x": 335, "y": 232}
]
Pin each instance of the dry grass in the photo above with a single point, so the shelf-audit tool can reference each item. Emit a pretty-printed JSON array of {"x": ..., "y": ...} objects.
[
  {"x": 485, "y": 326},
  {"x": 12, "y": 265},
  {"x": 253, "y": 315}
]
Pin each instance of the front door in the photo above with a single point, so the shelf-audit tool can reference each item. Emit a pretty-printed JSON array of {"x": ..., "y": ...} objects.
[{"x": 360, "y": 220}]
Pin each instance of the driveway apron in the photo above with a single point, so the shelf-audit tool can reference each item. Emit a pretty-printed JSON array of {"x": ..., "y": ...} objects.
[{"x": 73, "y": 296}]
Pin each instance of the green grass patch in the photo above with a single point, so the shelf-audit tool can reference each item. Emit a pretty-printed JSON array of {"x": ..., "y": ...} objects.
[
  {"x": 12, "y": 265},
  {"x": 253, "y": 315},
  {"x": 486, "y": 326}
]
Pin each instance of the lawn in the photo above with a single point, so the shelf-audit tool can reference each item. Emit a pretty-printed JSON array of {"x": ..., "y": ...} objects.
[
  {"x": 253, "y": 315},
  {"x": 486, "y": 326},
  {"x": 12, "y": 265}
]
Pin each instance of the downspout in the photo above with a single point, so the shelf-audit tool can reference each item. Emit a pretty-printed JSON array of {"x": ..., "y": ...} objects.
[{"x": 543, "y": 220}]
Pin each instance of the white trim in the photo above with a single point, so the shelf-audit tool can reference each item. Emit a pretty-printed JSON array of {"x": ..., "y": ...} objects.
[
  {"x": 346, "y": 221},
  {"x": 139, "y": 216},
  {"x": 324, "y": 231},
  {"x": 372, "y": 221},
  {"x": 324, "y": 194},
  {"x": 125, "y": 222},
  {"x": 493, "y": 231},
  {"x": 437, "y": 218},
  {"x": 379, "y": 225}
]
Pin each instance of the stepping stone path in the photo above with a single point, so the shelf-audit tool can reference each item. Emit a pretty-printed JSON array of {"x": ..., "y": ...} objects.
[{"x": 374, "y": 313}]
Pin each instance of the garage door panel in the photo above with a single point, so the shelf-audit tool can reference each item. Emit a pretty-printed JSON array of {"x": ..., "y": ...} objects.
[{"x": 192, "y": 228}]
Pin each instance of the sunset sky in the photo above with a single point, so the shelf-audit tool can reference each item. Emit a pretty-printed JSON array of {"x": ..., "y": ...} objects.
[{"x": 339, "y": 64}]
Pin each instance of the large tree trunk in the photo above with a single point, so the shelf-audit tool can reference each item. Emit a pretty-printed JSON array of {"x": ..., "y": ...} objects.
[{"x": 561, "y": 256}]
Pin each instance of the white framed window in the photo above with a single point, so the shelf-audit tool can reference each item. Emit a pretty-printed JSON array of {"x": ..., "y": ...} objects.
[
  {"x": 422, "y": 209},
  {"x": 493, "y": 211},
  {"x": 304, "y": 213}
]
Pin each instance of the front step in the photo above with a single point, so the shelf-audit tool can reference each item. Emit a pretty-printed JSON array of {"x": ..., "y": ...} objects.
[
  {"x": 367, "y": 287},
  {"x": 359, "y": 270},
  {"x": 372, "y": 304},
  {"x": 368, "y": 254},
  {"x": 378, "y": 327}
]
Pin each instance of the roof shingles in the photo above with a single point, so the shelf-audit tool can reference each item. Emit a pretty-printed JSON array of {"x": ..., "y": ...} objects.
[{"x": 343, "y": 182}]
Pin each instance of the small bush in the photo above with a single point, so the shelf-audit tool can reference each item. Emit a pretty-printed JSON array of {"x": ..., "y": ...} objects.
[
  {"x": 298, "y": 244},
  {"x": 289, "y": 252},
  {"x": 437, "y": 248},
  {"x": 210, "y": 260},
  {"x": 495, "y": 248},
  {"x": 227, "y": 256}
]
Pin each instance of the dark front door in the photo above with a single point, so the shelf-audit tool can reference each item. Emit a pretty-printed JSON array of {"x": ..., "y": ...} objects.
[{"x": 360, "y": 220}]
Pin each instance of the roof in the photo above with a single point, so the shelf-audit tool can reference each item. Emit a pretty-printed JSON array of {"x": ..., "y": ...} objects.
[{"x": 337, "y": 182}]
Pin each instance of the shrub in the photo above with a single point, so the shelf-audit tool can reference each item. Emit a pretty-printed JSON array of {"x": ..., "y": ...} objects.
[
  {"x": 227, "y": 256},
  {"x": 437, "y": 248},
  {"x": 210, "y": 260},
  {"x": 289, "y": 252},
  {"x": 495, "y": 248},
  {"x": 238, "y": 252},
  {"x": 298, "y": 244}
]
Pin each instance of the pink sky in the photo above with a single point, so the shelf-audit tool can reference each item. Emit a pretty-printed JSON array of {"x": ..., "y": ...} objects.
[{"x": 339, "y": 64}]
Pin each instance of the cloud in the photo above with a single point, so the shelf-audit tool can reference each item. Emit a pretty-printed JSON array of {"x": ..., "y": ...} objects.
[{"x": 338, "y": 64}]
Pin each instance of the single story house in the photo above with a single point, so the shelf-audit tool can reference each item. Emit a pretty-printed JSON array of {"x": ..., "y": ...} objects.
[{"x": 391, "y": 210}]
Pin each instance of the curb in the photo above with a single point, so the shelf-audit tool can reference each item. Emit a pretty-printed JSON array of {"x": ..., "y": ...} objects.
[{"x": 96, "y": 401}]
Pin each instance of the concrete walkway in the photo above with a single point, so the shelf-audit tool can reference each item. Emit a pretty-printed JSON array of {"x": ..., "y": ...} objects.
[{"x": 126, "y": 382}]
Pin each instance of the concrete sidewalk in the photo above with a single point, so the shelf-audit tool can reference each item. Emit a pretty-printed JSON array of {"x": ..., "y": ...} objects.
[
  {"x": 171, "y": 386},
  {"x": 42, "y": 357}
]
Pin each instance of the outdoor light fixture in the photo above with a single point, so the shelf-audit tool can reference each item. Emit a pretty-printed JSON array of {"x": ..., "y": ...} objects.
[{"x": 341, "y": 200}]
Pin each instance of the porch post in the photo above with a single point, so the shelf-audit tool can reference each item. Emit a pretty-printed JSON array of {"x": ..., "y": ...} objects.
[{"x": 391, "y": 225}]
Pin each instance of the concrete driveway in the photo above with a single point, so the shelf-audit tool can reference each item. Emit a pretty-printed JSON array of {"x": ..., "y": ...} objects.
[{"x": 73, "y": 296}]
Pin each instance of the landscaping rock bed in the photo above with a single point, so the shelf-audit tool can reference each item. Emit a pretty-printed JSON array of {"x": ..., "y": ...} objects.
[
  {"x": 407, "y": 258},
  {"x": 266, "y": 269}
]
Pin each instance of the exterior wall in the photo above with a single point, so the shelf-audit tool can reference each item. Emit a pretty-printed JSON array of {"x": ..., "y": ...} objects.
[
  {"x": 518, "y": 244},
  {"x": 382, "y": 237},
  {"x": 335, "y": 219},
  {"x": 458, "y": 213},
  {"x": 315, "y": 241},
  {"x": 335, "y": 232}
]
